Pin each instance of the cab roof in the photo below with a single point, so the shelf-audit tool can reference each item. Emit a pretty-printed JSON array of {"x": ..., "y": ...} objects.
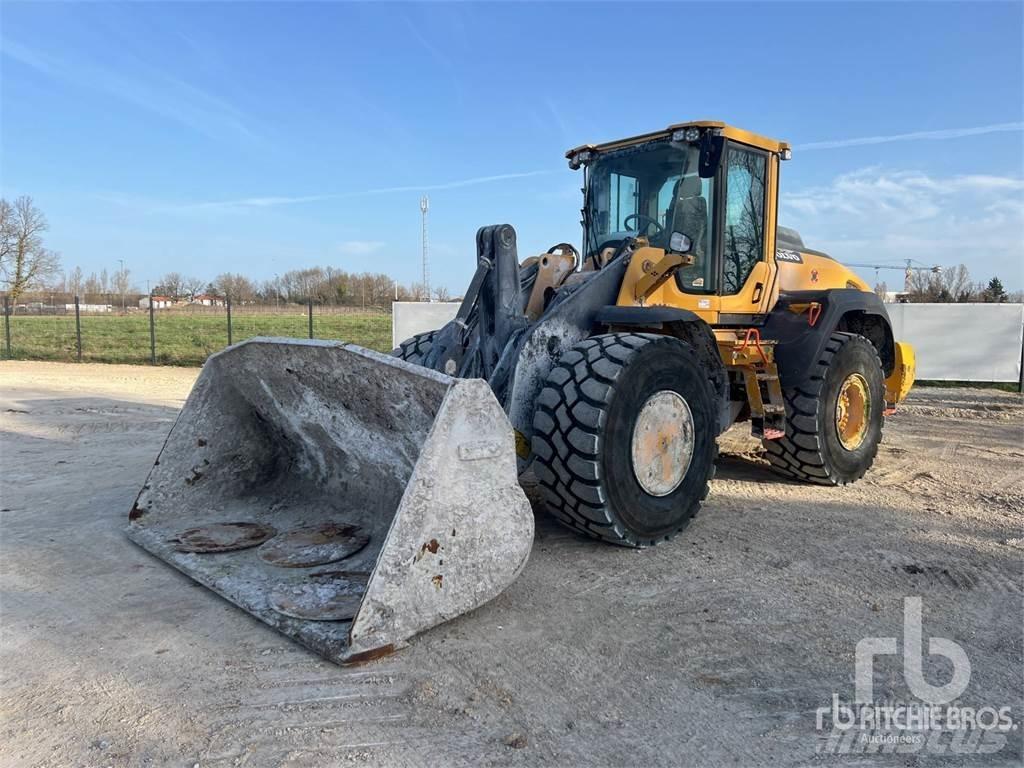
[{"x": 729, "y": 131}]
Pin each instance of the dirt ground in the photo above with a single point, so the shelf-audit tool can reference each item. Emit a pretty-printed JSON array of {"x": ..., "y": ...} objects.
[{"x": 714, "y": 649}]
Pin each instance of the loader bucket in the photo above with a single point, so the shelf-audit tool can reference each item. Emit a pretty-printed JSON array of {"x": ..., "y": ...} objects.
[{"x": 347, "y": 498}]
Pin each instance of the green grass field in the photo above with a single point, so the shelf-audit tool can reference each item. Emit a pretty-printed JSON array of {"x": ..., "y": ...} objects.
[{"x": 181, "y": 339}]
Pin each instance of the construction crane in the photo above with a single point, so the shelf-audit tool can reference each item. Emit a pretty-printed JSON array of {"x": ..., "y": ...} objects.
[{"x": 908, "y": 269}]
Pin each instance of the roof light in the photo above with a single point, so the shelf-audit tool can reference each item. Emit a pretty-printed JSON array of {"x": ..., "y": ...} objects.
[
  {"x": 580, "y": 158},
  {"x": 692, "y": 133},
  {"x": 787, "y": 154}
]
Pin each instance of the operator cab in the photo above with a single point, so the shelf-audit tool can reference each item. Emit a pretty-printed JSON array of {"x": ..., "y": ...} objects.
[{"x": 702, "y": 189}]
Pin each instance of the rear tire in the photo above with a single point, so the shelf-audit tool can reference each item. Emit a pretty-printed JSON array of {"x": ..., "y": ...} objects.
[
  {"x": 606, "y": 401},
  {"x": 816, "y": 449},
  {"x": 415, "y": 349}
]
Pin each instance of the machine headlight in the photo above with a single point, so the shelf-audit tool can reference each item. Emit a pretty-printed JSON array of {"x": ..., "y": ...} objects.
[
  {"x": 686, "y": 134},
  {"x": 580, "y": 158}
]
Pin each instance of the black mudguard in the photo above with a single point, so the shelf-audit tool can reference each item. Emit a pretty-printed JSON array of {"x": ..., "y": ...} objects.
[
  {"x": 646, "y": 317},
  {"x": 799, "y": 344}
]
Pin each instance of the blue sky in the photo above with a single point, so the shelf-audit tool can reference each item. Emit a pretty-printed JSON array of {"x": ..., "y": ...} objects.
[{"x": 211, "y": 137}]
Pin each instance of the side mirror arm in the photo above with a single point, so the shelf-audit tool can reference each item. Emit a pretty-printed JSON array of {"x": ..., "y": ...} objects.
[{"x": 655, "y": 275}]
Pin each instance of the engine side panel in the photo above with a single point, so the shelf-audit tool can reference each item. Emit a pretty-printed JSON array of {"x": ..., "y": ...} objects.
[{"x": 807, "y": 270}]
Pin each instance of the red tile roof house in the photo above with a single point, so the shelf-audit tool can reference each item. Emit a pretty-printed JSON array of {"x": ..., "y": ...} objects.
[{"x": 208, "y": 301}]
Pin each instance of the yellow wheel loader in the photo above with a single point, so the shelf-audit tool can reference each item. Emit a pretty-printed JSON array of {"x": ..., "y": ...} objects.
[{"x": 353, "y": 499}]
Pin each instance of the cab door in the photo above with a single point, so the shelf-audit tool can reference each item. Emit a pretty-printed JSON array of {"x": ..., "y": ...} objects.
[{"x": 747, "y": 216}]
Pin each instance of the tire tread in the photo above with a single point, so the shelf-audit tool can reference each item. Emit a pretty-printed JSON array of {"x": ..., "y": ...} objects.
[
  {"x": 800, "y": 455},
  {"x": 415, "y": 349},
  {"x": 568, "y": 434}
]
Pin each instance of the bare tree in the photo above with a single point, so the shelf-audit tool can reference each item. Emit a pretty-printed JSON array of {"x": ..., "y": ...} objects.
[
  {"x": 416, "y": 292},
  {"x": 238, "y": 288},
  {"x": 24, "y": 261},
  {"x": 75, "y": 281},
  {"x": 950, "y": 285},
  {"x": 92, "y": 286},
  {"x": 270, "y": 290},
  {"x": 192, "y": 287},
  {"x": 170, "y": 285},
  {"x": 442, "y": 294},
  {"x": 122, "y": 281},
  {"x": 957, "y": 281}
]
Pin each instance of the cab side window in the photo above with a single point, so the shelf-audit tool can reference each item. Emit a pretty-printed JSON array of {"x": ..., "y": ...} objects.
[
  {"x": 743, "y": 227},
  {"x": 624, "y": 200}
]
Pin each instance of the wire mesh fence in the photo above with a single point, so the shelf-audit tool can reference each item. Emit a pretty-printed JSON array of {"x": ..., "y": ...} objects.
[{"x": 69, "y": 329}]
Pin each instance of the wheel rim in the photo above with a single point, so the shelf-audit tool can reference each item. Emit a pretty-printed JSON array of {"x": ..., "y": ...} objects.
[
  {"x": 662, "y": 444},
  {"x": 852, "y": 410}
]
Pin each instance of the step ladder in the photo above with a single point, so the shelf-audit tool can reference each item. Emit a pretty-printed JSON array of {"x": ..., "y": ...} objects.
[{"x": 755, "y": 360}]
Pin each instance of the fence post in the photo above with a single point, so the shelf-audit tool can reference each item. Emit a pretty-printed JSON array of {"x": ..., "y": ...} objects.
[
  {"x": 227, "y": 303},
  {"x": 152, "y": 332},
  {"x": 7, "y": 323},
  {"x": 78, "y": 328},
  {"x": 310, "y": 306},
  {"x": 1020, "y": 382}
]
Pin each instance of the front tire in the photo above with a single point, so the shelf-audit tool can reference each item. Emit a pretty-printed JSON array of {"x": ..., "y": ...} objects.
[
  {"x": 415, "y": 349},
  {"x": 624, "y": 437},
  {"x": 834, "y": 421}
]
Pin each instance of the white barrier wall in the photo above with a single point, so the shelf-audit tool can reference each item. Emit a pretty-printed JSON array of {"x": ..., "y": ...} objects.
[
  {"x": 411, "y": 317},
  {"x": 962, "y": 342},
  {"x": 954, "y": 342}
]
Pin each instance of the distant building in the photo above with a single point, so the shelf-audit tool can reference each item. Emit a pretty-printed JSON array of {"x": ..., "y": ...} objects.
[
  {"x": 208, "y": 301},
  {"x": 89, "y": 307},
  {"x": 895, "y": 297},
  {"x": 159, "y": 302}
]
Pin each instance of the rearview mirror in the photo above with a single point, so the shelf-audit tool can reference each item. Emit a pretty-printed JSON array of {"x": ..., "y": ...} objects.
[
  {"x": 679, "y": 243},
  {"x": 710, "y": 154}
]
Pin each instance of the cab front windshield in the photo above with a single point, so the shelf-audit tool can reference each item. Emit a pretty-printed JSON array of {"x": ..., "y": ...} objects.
[{"x": 652, "y": 190}]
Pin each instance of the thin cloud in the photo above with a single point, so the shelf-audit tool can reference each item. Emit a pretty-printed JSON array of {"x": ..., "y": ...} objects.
[
  {"x": 280, "y": 200},
  {"x": 885, "y": 216},
  {"x": 453, "y": 184},
  {"x": 949, "y": 133},
  {"x": 161, "y": 94},
  {"x": 253, "y": 202},
  {"x": 873, "y": 192},
  {"x": 360, "y": 247}
]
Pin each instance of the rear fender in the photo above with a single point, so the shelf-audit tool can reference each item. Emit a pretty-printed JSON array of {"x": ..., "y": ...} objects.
[{"x": 799, "y": 343}]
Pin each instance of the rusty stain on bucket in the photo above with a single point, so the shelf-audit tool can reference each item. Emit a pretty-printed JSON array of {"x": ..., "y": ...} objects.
[
  {"x": 311, "y": 545},
  {"x": 324, "y": 596},
  {"x": 222, "y": 537}
]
